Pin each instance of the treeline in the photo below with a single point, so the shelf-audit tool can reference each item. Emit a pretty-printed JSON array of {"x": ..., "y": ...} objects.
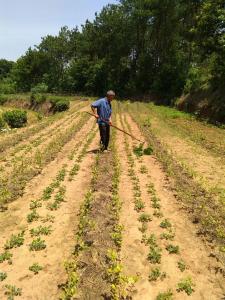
[{"x": 158, "y": 48}]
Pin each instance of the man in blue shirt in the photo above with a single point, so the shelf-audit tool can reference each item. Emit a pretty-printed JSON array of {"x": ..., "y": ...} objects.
[{"x": 102, "y": 110}]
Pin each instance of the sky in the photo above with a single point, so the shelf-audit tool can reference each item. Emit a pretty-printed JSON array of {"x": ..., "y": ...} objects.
[{"x": 24, "y": 22}]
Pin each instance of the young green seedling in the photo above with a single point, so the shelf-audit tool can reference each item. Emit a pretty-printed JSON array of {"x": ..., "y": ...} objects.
[
  {"x": 186, "y": 285},
  {"x": 35, "y": 268},
  {"x": 15, "y": 241},
  {"x": 172, "y": 249},
  {"x": 181, "y": 265},
  {"x": 165, "y": 295},
  {"x": 3, "y": 276},
  {"x": 37, "y": 245},
  {"x": 165, "y": 224},
  {"x": 12, "y": 291},
  {"x": 6, "y": 256}
]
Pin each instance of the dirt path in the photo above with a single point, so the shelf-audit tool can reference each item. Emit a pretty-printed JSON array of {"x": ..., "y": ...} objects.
[
  {"x": 200, "y": 266},
  {"x": 60, "y": 242}
]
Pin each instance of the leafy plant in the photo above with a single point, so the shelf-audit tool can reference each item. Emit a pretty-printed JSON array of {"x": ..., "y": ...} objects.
[
  {"x": 37, "y": 245},
  {"x": 36, "y": 268},
  {"x": 143, "y": 170},
  {"x": 165, "y": 224},
  {"x": 33, "y": 216},
  {"x": 145, "y": 218},
  {"x": 181, "y": 265},
  {"x": 6, "y": 256},
  {"x": 3, "y": 276},
  {"x": 48, "y": 218},
  {"x": 139, "y": 205},
  {"x": 165, "y": 296},
  {"x": 15, "y": 118},
  {"x": 172, "y": 249},
  {"x": 154, "y": 255},
  {"x": 167, "y": 236},
  {"x": 35, "y": 204},
  {"x": 12, "y": 291},
  {"x": 186, "y": 285},
  {"x": 154, "y": 275},
  {"x": 41, "y": 230},
  {"x": 15, "y": 241}
]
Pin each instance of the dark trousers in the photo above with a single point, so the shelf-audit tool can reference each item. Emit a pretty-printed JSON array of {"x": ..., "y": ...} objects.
[{"x": 104, "y": 134}]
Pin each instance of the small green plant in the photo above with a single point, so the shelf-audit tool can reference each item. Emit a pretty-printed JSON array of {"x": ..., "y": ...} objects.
[
  {"x": 48, "y": 218},
  {"x": 33, "y": 216},
  {"x": 148, "y": 151},
  {"x": 157, "y": 213},
  {"x": 151, "y": 240},
  {"x": 53, "y": 205},
  {"x": 41, "y": 230},
  {"x": 15, "y": 118},
  {"x": 143, "y": 170},
  {"x": 181, "y": 265},
  {"x": 172, "y": 249},
  {"x": 165, "y": 224},
  {"x": 138, "y": 151},
  {"x": 15, "y": 241},
  {"x": 156, "y": 274},
  {"x": 37, "y": 245},
  {"x": 3, "y": 276},
  {"x": 74, "y": 171},
  {"x": 165, "y": 295},
  {"x": 47, "y": 193},
  {"x": 6, "y": 256},
  {"x": 145, "y": 218},
  {"x": 154, "y": 255},
  {"x": 12, "y": 291},
  {"x": 167, "y": 236},
  {"x": 35, "y": 268},
  {"x": 139, "y": 205},
  {"x": 35, "y": 204},
  {"x": 116, "y": 235},
  {"x": 186, "y": 285}
]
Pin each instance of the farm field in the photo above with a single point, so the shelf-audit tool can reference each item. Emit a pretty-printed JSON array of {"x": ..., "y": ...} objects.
[{"x": 139, "y": 222}]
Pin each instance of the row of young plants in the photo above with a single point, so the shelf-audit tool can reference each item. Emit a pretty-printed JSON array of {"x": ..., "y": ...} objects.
[
  {"x": 33, "y": 136},
  {"x": 12, "y": 138},
  {"x": 120, "y": 284},
  {"x": 155, "y": 251},
  {"x": 56, "y": 189},
  {"x": 207, "y": 210},
  {"x": 26, "y": 168}
]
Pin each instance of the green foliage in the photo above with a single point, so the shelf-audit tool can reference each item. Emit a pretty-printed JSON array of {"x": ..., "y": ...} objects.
[
  {"x": 35, "y": 268},
  {"x": 59, "y": 105},
  {"x": 37, "y": 245},
  {"x": 3, "y": 99},
  {"x": 15, "y": 118},
  {"x": 181, "y": 265},
  {"x": 165, "y": 224},
  {"x": 39, "y": 88},
  {"x": 33, "y": 216},
  {"x": 12, "y": 291},
  {"x": 6, "y": 256},
  {"x": 3, "y": 276},
  {"x": 144, "y": 218},
  {"x": 186, "y": 285},
  {"x": 172, "y": 249},
  {"x": 36, "y": 99},
  {"x": 41, "y": 230},
  {"x": 156, "y": 274},
  {"x": 15, "y": 241},
  {"x": 2, "y": 123},
  {"x": 165, "y": 295},
  {"x": 154, "y": 255}
]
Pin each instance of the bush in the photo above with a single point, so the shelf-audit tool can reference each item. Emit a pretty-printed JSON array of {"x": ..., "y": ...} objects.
[
  {"x": 15, "y": 118},
  {"x": 37, "y": 98},
  {"x": 39, "y": 89},
  {"x": 7, "y": 87},
  {"x": 61, "y": 105}
]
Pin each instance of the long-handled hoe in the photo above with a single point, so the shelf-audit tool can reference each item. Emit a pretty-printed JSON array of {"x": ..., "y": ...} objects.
[{"x": 133, "y": 137}]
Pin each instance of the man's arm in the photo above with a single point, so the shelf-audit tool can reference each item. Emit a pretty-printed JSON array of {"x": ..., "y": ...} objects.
[{"x": 94, "y": 107}]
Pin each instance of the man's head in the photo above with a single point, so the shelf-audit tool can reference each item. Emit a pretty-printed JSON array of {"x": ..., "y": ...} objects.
[{"x": 110, "y": 95}]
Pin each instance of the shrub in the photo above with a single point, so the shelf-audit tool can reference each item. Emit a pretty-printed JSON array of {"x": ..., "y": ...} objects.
[
  {"x": 37, "y": 98},
  {"x": 7, "y": 87},
  {"x": 15, "y": 118},
  {"x": 61, "y": 105}
]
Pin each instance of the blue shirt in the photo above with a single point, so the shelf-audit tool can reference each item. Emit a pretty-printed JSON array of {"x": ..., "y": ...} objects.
[{"x": 104, "y": 109}]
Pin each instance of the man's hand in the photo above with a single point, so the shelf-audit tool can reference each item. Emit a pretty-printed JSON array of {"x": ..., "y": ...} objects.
[
  {"x": 96, "y": 116},
  {"x": 110, "y": 122}
]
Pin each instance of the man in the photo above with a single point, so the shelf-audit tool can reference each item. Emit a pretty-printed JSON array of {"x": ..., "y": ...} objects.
[{"x": 102, "y": 110}]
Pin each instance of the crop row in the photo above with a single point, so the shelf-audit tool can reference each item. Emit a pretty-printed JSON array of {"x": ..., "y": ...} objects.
[
  {"x": 155, "y": 251},
  {"x": 26, "y": 168},
  {"x": 55, "y": 189}
]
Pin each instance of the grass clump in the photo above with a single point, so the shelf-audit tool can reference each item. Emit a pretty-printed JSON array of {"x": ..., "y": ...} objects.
[
  {"x": 35, "y": 268},
  {"x": 15, "y": 241},
  {"x": 37, "y": 245}
]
